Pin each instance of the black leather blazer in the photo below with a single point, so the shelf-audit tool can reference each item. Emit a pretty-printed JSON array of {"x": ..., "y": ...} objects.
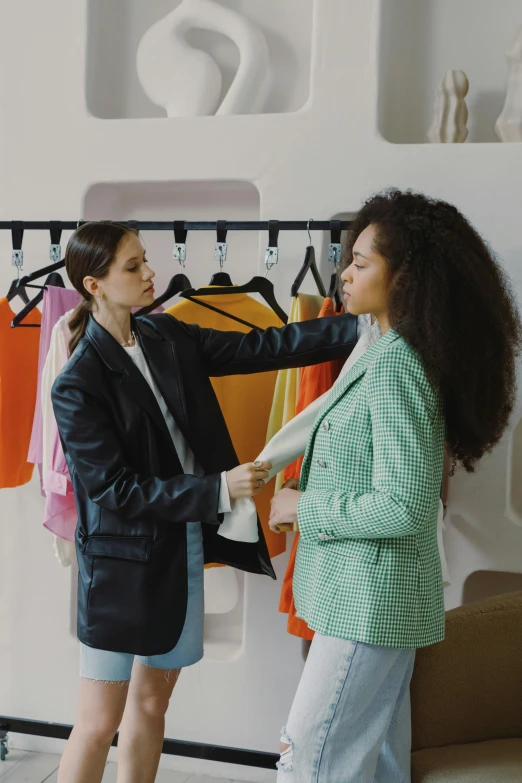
[{"x": 133, "y": 499}]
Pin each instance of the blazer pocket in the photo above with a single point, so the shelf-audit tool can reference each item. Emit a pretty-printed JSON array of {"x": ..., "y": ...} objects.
[
  {"x": 119, "y": 547},
  {"x": 354, "y": 548}
]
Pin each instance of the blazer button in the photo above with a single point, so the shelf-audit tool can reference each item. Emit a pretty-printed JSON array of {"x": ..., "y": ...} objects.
[
  {"x": 326, "y": 425},
  {"x": 321, "y": 463}
]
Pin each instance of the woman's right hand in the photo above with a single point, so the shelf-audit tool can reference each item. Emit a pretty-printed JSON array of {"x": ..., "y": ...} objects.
[{"x": 247, "y": 480}]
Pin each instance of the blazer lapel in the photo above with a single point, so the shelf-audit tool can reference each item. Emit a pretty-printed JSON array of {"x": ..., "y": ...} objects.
[
  {"x": 340, "y": 389},
  {"x": 131, "y": 380},
  {"x": 161, "y": 356}
]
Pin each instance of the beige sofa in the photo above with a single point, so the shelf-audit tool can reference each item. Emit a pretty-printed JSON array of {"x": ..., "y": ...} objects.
[{"x": 467, "y": 697}]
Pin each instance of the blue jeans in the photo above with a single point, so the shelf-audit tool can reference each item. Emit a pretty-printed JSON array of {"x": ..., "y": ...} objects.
[{"x": 350, "y": 720}]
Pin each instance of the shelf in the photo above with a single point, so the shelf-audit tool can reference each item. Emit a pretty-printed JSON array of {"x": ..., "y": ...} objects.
[
  {"x": 420, "y": 39},
  {"x": 203, "y": 200},
  {"x": 115, "y": 29}
]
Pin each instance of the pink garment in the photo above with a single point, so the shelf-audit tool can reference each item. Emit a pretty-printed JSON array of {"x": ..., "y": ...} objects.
[
  {"x": 56, "y": 302},
  {"x": 60, "y": 513}
]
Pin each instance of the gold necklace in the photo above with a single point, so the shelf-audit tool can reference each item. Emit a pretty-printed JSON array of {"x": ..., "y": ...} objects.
[{"x": 129, "y": 343}]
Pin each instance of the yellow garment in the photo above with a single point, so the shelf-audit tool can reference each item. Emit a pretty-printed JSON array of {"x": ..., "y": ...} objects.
[
  {"x": 304, "y": 307},
  {"x": 244, "y": 399}
]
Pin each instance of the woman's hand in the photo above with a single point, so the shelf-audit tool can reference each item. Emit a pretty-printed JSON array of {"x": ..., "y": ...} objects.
[
  {"x": 283, "y": 511},
  {"x": 247, "y": 480}
]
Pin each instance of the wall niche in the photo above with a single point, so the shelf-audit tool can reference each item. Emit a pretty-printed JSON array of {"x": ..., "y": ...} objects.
[
  {"x": 115, "y": 30},
  {"x": 421, "y": 39}
]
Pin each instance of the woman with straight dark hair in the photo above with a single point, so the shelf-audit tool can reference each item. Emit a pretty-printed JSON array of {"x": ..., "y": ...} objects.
[
  {"x": 368, "y": 572},
  {"x": 153, "y": 470}
]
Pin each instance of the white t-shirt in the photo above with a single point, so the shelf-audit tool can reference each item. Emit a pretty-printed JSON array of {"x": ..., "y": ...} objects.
[{"x": 184, "y": 452}]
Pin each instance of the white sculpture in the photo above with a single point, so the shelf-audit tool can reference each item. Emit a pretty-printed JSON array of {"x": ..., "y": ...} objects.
[
  {"x": 509, "y": 125},
  {"x": 450, "y": 113},
  {"x": 187, "y": 81}
]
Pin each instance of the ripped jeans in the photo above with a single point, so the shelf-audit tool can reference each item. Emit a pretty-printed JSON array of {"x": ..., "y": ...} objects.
[{"x": 350, "y": 720}]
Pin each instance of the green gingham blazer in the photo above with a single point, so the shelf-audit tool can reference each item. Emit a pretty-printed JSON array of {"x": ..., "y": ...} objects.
[{"x": 368, "y": 566}]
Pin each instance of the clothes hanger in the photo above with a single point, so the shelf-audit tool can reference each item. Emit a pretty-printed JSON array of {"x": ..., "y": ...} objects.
[
  {"x": 180, "y": 284},
  {"x": 257, "y": 285},
  {"x": 54, "y": 255},
  {"x": 333, "y": 291},
  {"x": 334, "y": 255},
  {"x": 53, "y": 279},
  {"x": 16, "y": 289},
  {"x": 309, "y": 265},
  {"x": 220, "y": 254}
]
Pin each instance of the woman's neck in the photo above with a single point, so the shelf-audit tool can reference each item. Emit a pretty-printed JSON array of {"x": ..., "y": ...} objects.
[
  {"x": 384, "y": 323},
  {"x": 117, "y": 321}
]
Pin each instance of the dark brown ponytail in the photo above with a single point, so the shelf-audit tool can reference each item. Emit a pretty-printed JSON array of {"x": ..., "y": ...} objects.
[
  {"x": 90, "y": 253},
  {"x": 78, "y": 323}
]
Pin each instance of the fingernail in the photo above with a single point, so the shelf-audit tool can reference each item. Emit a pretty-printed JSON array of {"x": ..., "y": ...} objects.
[{"x": 257, "y": 463}]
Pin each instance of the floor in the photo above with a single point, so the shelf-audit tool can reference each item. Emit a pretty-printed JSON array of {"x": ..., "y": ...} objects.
[{"x": 25, "y": 767}]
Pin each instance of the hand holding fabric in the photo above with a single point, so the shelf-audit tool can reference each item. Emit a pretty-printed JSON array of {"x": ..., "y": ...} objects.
[{"x": 247, "y": 480}]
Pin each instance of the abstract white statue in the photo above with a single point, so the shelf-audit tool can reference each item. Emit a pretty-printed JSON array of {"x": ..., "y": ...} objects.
[
  {"x": 509, "y": 125},
  {"x": 450, "y": 113},
  {"x": 187, "y": 81}
]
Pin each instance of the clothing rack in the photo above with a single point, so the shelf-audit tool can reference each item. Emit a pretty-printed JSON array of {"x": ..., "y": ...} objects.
[
  {"x": 187, "y": 225},
  {"x": 209, "y": 752}
]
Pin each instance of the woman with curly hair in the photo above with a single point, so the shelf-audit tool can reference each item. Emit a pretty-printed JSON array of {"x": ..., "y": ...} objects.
[{"x": 368, "y": 575}]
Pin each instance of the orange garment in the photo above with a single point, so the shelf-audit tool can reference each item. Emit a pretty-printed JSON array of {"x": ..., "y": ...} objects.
[
  {"x": 18, "y": 375},
  {"x": 315, "y": 381},
  {"x": 245, "y": 400}
]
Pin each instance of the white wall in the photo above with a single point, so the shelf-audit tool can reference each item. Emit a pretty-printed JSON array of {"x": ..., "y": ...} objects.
[{"x": 59, "y": 161}]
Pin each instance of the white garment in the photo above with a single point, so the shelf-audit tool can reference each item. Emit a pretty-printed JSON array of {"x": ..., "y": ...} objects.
[
  {"x": 183, "y": 450},
  {"x": 290, "y": 443},
  {"x": 65, "y": 551}
]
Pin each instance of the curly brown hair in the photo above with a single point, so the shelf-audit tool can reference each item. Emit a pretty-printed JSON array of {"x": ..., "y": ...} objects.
[{"x": 452, "y": 302}]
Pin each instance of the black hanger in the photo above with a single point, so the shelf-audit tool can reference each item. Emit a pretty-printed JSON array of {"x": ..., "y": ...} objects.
[
  {"x": 16, "y": 289},
  {"x": 257, "y": 285},
  {"x": 53, "y": 279},
  {"x": 220, "y": 254},
  {"x": 333, "y": 291},
  {"x": 334, "y": 256},
  {"x": 220, "y": 278},
  {"x": 178, "y": 283},
  {"x": 187, "y": 295},
  {"x": 309, "y": 265},
  {"x": 19, "y": 286}
]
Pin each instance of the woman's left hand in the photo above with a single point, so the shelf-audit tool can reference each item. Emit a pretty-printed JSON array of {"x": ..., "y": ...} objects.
[{"x": 283, "y": 511}]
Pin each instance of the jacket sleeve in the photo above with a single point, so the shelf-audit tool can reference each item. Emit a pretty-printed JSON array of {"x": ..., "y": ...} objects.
[
  {"x": 95, "y": 454},
  {"x": 295, "y": 345},
  {"x": 406, "y": 478}
]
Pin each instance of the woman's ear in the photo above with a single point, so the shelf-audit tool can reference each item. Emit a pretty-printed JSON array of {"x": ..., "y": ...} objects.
[{"x": 91, "y": 286}]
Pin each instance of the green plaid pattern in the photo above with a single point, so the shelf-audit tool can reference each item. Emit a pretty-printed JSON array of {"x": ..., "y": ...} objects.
[{"x": 368, "y": 565}]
